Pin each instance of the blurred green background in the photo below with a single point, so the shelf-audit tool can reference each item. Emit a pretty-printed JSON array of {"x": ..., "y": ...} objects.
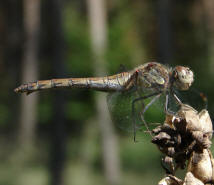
[{"x": 55, "y": 137}]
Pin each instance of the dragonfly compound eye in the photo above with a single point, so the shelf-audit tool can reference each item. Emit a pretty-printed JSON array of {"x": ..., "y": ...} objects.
[{"x": 183, "y": 77}]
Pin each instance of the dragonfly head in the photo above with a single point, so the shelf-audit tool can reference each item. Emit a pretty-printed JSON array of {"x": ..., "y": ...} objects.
[{"x": 183, "y": 77}]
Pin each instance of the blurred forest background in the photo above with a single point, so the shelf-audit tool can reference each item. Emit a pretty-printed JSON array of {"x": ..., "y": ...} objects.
[{"x": 65, "y": 136}]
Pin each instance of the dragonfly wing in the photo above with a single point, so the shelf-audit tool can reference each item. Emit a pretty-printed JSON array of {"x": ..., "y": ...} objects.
[
  {"x": 193, "y": 98},
  {"x": 120, "y": 108},
  {"x": 172, "y": 106}
]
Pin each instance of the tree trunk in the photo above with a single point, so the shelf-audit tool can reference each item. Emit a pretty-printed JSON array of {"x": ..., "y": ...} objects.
[
  {"x": 164, "y": 31},
  {"x": 30, "y": 71},
  {"x": 58, "y": 124},
  {"x": 97, "y": 20},
  {"x": 11, "y": 48}
]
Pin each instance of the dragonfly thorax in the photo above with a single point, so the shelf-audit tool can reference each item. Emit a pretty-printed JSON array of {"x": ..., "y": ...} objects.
[
  {"x": 153, "y": 76},
  {"x": 182, "y": 77}
]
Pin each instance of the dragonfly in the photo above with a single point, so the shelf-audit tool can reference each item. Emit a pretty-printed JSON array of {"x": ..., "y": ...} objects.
[{"x": 131, "y": 88}]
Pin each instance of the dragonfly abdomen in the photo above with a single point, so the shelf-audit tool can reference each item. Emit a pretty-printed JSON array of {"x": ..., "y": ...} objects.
[
  {"x": 41, "y": 85},
  {"x": 109, "y": 83}
]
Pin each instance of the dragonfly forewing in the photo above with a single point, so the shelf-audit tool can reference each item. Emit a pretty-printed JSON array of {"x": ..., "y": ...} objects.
[{"x": 192, "y": 97}]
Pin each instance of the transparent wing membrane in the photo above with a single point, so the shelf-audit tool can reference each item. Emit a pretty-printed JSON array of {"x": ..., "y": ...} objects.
[
  {"x": 131, "y": 118},
  {"x": 120, "y": 107},
  {"x": 149, "y": 110},
  {"x": 193, "y": 98}
]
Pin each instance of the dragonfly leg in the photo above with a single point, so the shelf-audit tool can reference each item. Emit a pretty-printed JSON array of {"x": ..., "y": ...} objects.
[
  {"x": 150, "y": 103},
  {"x": 146, "y": 108},
  {"x": 167, "y": 110},
  {"x": 166, "y": 105},
  {"x": 133, "y": 110}
]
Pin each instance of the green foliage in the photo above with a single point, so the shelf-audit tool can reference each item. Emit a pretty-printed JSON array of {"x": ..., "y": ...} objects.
[
  {"x": 79, "y": 59},
  {"x": 45, "y": 112},
  {"x": 124, "y": 44},
  {"x": 76, "y": 110}
]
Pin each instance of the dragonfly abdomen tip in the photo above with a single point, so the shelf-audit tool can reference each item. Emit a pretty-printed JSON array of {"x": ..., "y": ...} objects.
[
  {"x": 20, "y": 89},
  {"x": 17, "y": 90}
]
